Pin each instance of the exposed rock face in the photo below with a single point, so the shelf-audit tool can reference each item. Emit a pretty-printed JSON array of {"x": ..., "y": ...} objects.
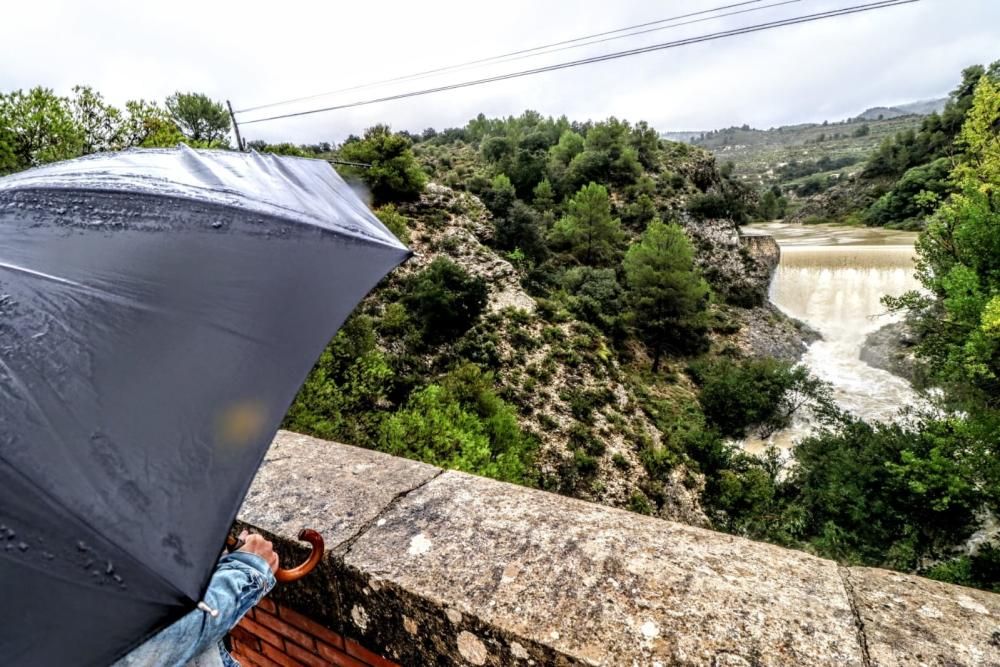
[
  {"x": 730, "y": 265},
  {"x": 891, "y": 349},
  {"x": 557, "y": 361},
  {"x": 439, "y": 568},
  {"x": 767, "y": 332}
]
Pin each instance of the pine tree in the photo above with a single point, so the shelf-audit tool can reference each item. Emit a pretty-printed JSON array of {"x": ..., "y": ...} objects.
[
  {"x": 667, "y": 298},
  {"x": 587, "y": 231}
]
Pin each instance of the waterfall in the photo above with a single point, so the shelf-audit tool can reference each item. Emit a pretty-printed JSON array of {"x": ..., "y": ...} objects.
[{"x": 834, "y": 280}]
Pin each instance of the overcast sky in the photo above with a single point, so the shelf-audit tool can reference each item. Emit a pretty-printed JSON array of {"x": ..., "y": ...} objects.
[{"x": 255, "y": 52}]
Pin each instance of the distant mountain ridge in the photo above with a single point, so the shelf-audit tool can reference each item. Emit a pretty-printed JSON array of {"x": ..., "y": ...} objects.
[{"x": 918, "y": 108}]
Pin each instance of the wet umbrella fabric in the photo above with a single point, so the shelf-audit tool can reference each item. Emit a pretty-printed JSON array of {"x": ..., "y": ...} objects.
[{"x": 158, "y": 311}]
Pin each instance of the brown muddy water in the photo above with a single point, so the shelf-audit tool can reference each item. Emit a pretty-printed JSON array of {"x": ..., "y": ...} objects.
[{"x": 833, "y": 278}]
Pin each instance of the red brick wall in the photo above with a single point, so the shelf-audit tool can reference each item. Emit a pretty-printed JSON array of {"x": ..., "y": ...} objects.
[{"x": 273, "y": 635}]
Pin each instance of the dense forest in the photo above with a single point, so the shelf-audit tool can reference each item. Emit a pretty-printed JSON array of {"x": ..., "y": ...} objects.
[{"x": 582, "y": 317}]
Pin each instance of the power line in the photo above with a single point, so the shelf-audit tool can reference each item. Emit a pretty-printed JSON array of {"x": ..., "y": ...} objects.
[
  {"x": 638, "y": 32},
  {"x": 609, "y": 56},
  {"x": 425, "y": 73}
]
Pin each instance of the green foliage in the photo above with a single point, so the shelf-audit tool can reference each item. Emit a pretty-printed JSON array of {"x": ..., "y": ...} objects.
[
  {"x": 38, "y": 127},
  {"x": 762, "y": 393},
  {"x": 894, "y": 492},
  {"x": 395, "y": 221},
  {"x": 914, "y": 196},
  {"x": 595, "y": 297},
  {"x": 959, "y": 266},
  {"x": 394, "y": 174},
  {"x": 667, "y": 298},
  {"x": 100, "y": 123},
  {"x": 148, "y": 125},
  {"x": 201, "y": 119},
  {"x": 500, "y": 196},
  {"x": 342, "y": 394},
  {"x": 444, "y": 301},
  {"x": 521, "y": 230},
  {"x": 588, "y": 233},
  {"x": 773, "y": 205},
  {"x": 461, "y": 424}
]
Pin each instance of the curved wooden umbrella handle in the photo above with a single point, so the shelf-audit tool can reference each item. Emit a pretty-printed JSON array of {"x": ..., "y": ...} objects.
[{"x": 295, "y": 573}]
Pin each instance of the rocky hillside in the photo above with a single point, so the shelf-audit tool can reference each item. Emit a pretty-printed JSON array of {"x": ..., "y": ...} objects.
[{"x": 569, "y": 386}]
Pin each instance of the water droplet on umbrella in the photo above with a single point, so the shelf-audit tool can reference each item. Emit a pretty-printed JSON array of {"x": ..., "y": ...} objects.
[
  {"x": 117, "y": 579},
  {"x": 86, "y": 566},
  {"x": 82, "y": 546},
  {"x": 48, "y": 556},
  {"x": 23, "y": 546},
  {"x": 110, "y": 569},
  {"x": 11, "y": 534}
]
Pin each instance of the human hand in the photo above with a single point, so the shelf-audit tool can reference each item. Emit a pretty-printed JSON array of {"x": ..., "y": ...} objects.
[{"x": 257, "y": 545}]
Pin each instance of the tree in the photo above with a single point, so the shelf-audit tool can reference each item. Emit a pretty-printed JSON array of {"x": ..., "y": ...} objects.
[
  {"x": 762, "y": 393},
  {"x": 959, "y": 264},
  {"x": 100, "y": 123},
  {"x": 522, "y": 230},
  {"x": 667, "y": 298},
  {"x": 148, "y": 125},
  {"x": 394, "y": 174},
  {"x": 500, "y": 196},
  {"x": 202, "y": 120},
  {"x": 587, "y": 231},
  {"x": 444, "y": 300},
  {"x": 38, "y": 127}
]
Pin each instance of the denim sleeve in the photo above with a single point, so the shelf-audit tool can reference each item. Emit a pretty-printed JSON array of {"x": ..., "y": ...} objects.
[{"x": 239, "y": 582}]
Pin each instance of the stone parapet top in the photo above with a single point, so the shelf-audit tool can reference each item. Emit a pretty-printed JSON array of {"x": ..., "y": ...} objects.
[{"x": 435, "y": 567}]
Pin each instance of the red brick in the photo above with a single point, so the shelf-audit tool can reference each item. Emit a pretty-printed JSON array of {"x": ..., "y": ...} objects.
[
  {"x": 361, "y": 653},
  {"x": 240, "y": 647},
  {"x": 242, "y": 660},
  {"x": 262, "y": 633},
  {"x": 338, "y": 657},
  {"x": 267, "y": 605},
  {"x": 280, "y": 657},
  {"x": 243, "y": 636},
  {"x": 305, "y": 656},
  {"x": 253, "y": 659},
  {"x": 312, "y": 627},
  {"x": 287, "y": 631}
]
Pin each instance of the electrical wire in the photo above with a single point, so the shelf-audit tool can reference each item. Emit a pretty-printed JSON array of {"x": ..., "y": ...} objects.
[
  {"x": 481, "y": 61},
  {"x": 602, "y": 58}
]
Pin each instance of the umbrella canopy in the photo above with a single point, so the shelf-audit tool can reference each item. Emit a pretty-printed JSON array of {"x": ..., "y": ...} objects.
[{"x": 159, "y": 309}]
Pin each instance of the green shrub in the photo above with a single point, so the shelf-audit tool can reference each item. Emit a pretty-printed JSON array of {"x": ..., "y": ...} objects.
[
  {"x": 462, "y": 424},
  {"x": 444, "y": 300},
  {"x": 394, "y": 174},
  {"x": 765, "y": 393}
]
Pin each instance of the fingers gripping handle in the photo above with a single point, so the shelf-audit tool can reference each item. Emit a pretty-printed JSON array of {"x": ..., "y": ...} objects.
[{"x": 295, "y": 573}]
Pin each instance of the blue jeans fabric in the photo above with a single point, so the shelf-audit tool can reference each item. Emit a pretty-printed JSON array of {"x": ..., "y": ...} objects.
[{"x": 239, "y": 582}]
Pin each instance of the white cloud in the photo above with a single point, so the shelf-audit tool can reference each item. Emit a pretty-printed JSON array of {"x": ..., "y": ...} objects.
[{"x": 259, "y": 51}]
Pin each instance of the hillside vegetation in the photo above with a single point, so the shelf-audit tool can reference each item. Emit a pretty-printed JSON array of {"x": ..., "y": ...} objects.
[{"x": 583, "y": 317}]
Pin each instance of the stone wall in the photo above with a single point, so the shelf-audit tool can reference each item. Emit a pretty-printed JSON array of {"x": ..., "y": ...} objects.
[{"x": 439, "y": 567}]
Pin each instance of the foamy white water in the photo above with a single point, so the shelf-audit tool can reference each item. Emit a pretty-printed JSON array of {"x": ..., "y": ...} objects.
[{"x": 833, "y": 279}]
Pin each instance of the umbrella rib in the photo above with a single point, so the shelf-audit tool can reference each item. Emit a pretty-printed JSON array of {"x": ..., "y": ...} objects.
[
  {"x": 66, "y": 580},
  {"x": 86, "y": 524}
]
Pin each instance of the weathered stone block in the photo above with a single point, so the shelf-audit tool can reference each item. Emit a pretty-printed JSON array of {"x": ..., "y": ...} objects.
[{"x": 912, "y": 621}]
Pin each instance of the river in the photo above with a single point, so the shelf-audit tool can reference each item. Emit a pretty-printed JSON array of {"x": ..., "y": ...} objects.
[{"x": 833, "y": 278}]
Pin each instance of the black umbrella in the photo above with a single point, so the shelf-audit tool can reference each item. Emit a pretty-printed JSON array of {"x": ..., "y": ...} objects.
[{"x": 158, "y": 311}]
